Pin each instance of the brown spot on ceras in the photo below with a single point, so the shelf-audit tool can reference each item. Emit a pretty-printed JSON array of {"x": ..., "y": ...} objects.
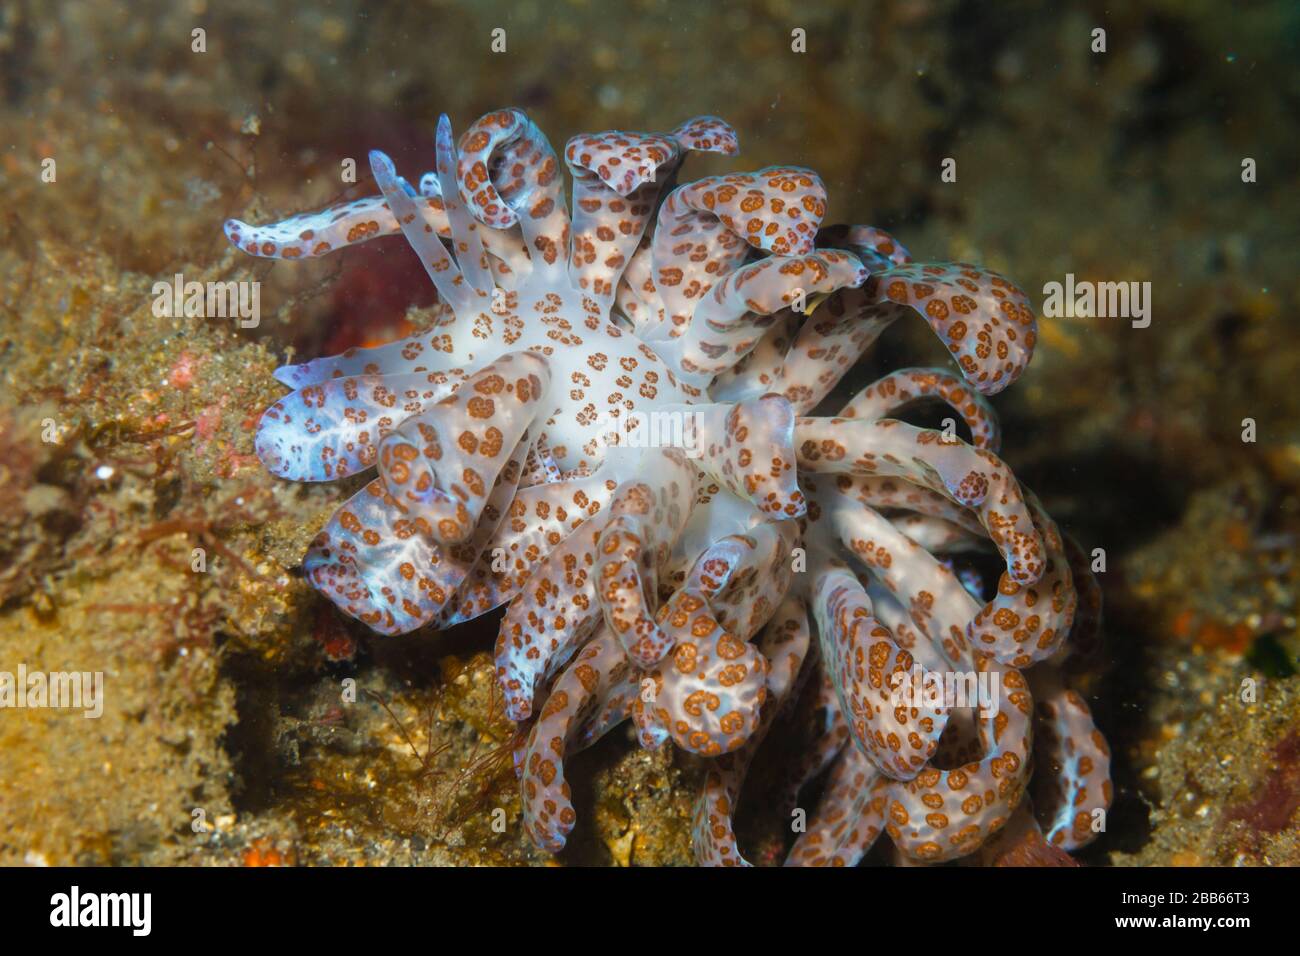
[
  {"x": 362, "y": 230},
  {"x": 896, "y": 291},
  {"x": 973, "y": 488},
  {"x": 490, "y": 385},
  {"x": 547, "y": 248},
  {"x": 1006, "y": 619},
  {"x": 480, "y": 408},
  {"x": 670, "y": 277},
  {"x": 546, "y": 770}
]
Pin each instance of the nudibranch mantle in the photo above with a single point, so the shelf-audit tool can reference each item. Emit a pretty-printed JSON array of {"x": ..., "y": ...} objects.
[{"x": 700, "y": 583}]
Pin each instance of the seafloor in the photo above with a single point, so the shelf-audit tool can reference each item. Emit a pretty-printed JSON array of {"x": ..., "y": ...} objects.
[{"x": 126, "y": 439}]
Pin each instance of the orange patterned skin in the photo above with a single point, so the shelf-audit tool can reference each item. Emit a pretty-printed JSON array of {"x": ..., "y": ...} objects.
[
  {"x": 864, "y": 661},
  {"x": 899, "y": 390},
  {"x": 985, "y": 321},
  {"x": 1072, "y": 788},
  {"x": 644, "y": 525},
  {"x": 784, "y": 643},
  {"x": 699, "y": 577},
  {"x": 707, "y": 695},
  {"x": 574, "y": 703},
  {"x": 849, "y": 817}
]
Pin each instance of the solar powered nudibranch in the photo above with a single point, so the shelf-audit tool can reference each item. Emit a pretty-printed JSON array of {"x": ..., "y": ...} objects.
[{"x": 700, "y": 591}]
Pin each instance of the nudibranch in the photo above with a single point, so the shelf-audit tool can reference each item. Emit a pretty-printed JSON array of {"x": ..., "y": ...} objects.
[{"x": 699, "y": 578}]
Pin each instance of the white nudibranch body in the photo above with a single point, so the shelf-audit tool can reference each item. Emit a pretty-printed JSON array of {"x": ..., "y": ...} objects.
[{"x": 609, "y": 429}]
